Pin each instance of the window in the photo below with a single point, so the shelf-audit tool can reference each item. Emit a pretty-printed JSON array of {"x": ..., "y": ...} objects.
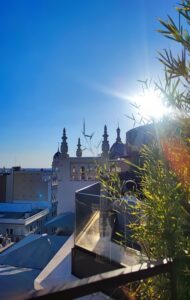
[
  {"x": 82, "y": 173},
  {"x": 74, "y": 173}
]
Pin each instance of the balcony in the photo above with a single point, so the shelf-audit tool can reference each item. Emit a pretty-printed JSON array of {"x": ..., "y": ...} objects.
[{"x": 97, "y": 222}]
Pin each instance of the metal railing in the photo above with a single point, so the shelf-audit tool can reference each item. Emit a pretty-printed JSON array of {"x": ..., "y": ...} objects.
[{"x": 101, "y": 282}]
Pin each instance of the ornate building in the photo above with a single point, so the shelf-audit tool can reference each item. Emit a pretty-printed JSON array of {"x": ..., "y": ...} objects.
[{"x": 73, "y": 173}]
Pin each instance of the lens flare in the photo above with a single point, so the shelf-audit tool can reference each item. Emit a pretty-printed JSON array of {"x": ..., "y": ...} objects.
[{"x": 150, "y": 104}]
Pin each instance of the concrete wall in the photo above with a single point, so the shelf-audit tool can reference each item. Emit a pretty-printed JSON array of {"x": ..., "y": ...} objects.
[
  {"x": 29, "y": 186},
  {"x": 67, "y": 185}
]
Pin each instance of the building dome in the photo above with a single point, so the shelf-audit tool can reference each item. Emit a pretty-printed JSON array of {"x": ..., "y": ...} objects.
[
  {"x": 118, "y": 148},
  {"x": 57, "y": 155}
]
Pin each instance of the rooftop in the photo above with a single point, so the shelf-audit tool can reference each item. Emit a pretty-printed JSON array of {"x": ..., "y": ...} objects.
[
  {"x": 12, "y": 279},
  {"x": 64, "y": 221},
  {"x": 33, "y": 251},
  {"x": 23, "y": 206},
  {"x": 22, "y": 212},
  {"x": 18, "y": 215},
  {"x": 24, "y": 261}
]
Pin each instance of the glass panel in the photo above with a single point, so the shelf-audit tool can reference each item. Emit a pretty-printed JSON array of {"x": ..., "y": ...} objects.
[{"x": 102, "y": 227}]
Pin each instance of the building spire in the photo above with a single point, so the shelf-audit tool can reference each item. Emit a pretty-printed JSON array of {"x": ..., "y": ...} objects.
[
  {"x": 79, "y": 150},
  {"x": 118, "y": 139},
  {"x": 64, "y": 146},
  {"x": 105, "y": 143}
]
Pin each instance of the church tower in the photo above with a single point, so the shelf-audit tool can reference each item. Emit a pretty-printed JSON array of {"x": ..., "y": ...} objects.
[
  {"x": 118, "y": 139},
  {"x": 64, "y": 146},
  {"x": 79, "y": 150},
  {"x": 105, "y": 143}
]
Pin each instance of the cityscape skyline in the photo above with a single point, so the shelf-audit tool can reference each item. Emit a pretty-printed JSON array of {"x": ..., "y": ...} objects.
[{"x": 64, "y": 61}]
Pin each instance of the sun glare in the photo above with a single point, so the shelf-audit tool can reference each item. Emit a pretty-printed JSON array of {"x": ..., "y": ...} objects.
[{"x": 150, "y": 104}]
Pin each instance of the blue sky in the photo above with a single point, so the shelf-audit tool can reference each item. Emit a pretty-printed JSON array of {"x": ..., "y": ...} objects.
[{"x": 58, "y": 58}]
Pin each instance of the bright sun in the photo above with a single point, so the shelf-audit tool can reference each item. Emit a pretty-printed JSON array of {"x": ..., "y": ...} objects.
[{"x": 150, "y": 104}]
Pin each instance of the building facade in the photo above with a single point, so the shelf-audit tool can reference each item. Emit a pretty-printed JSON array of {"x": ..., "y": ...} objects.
[
  {"x": 28, "y": 184},
  {"x": 3, "y": 185},
  {"x": 18, "y": 220},
  {"x": 72, "y": 173}
]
